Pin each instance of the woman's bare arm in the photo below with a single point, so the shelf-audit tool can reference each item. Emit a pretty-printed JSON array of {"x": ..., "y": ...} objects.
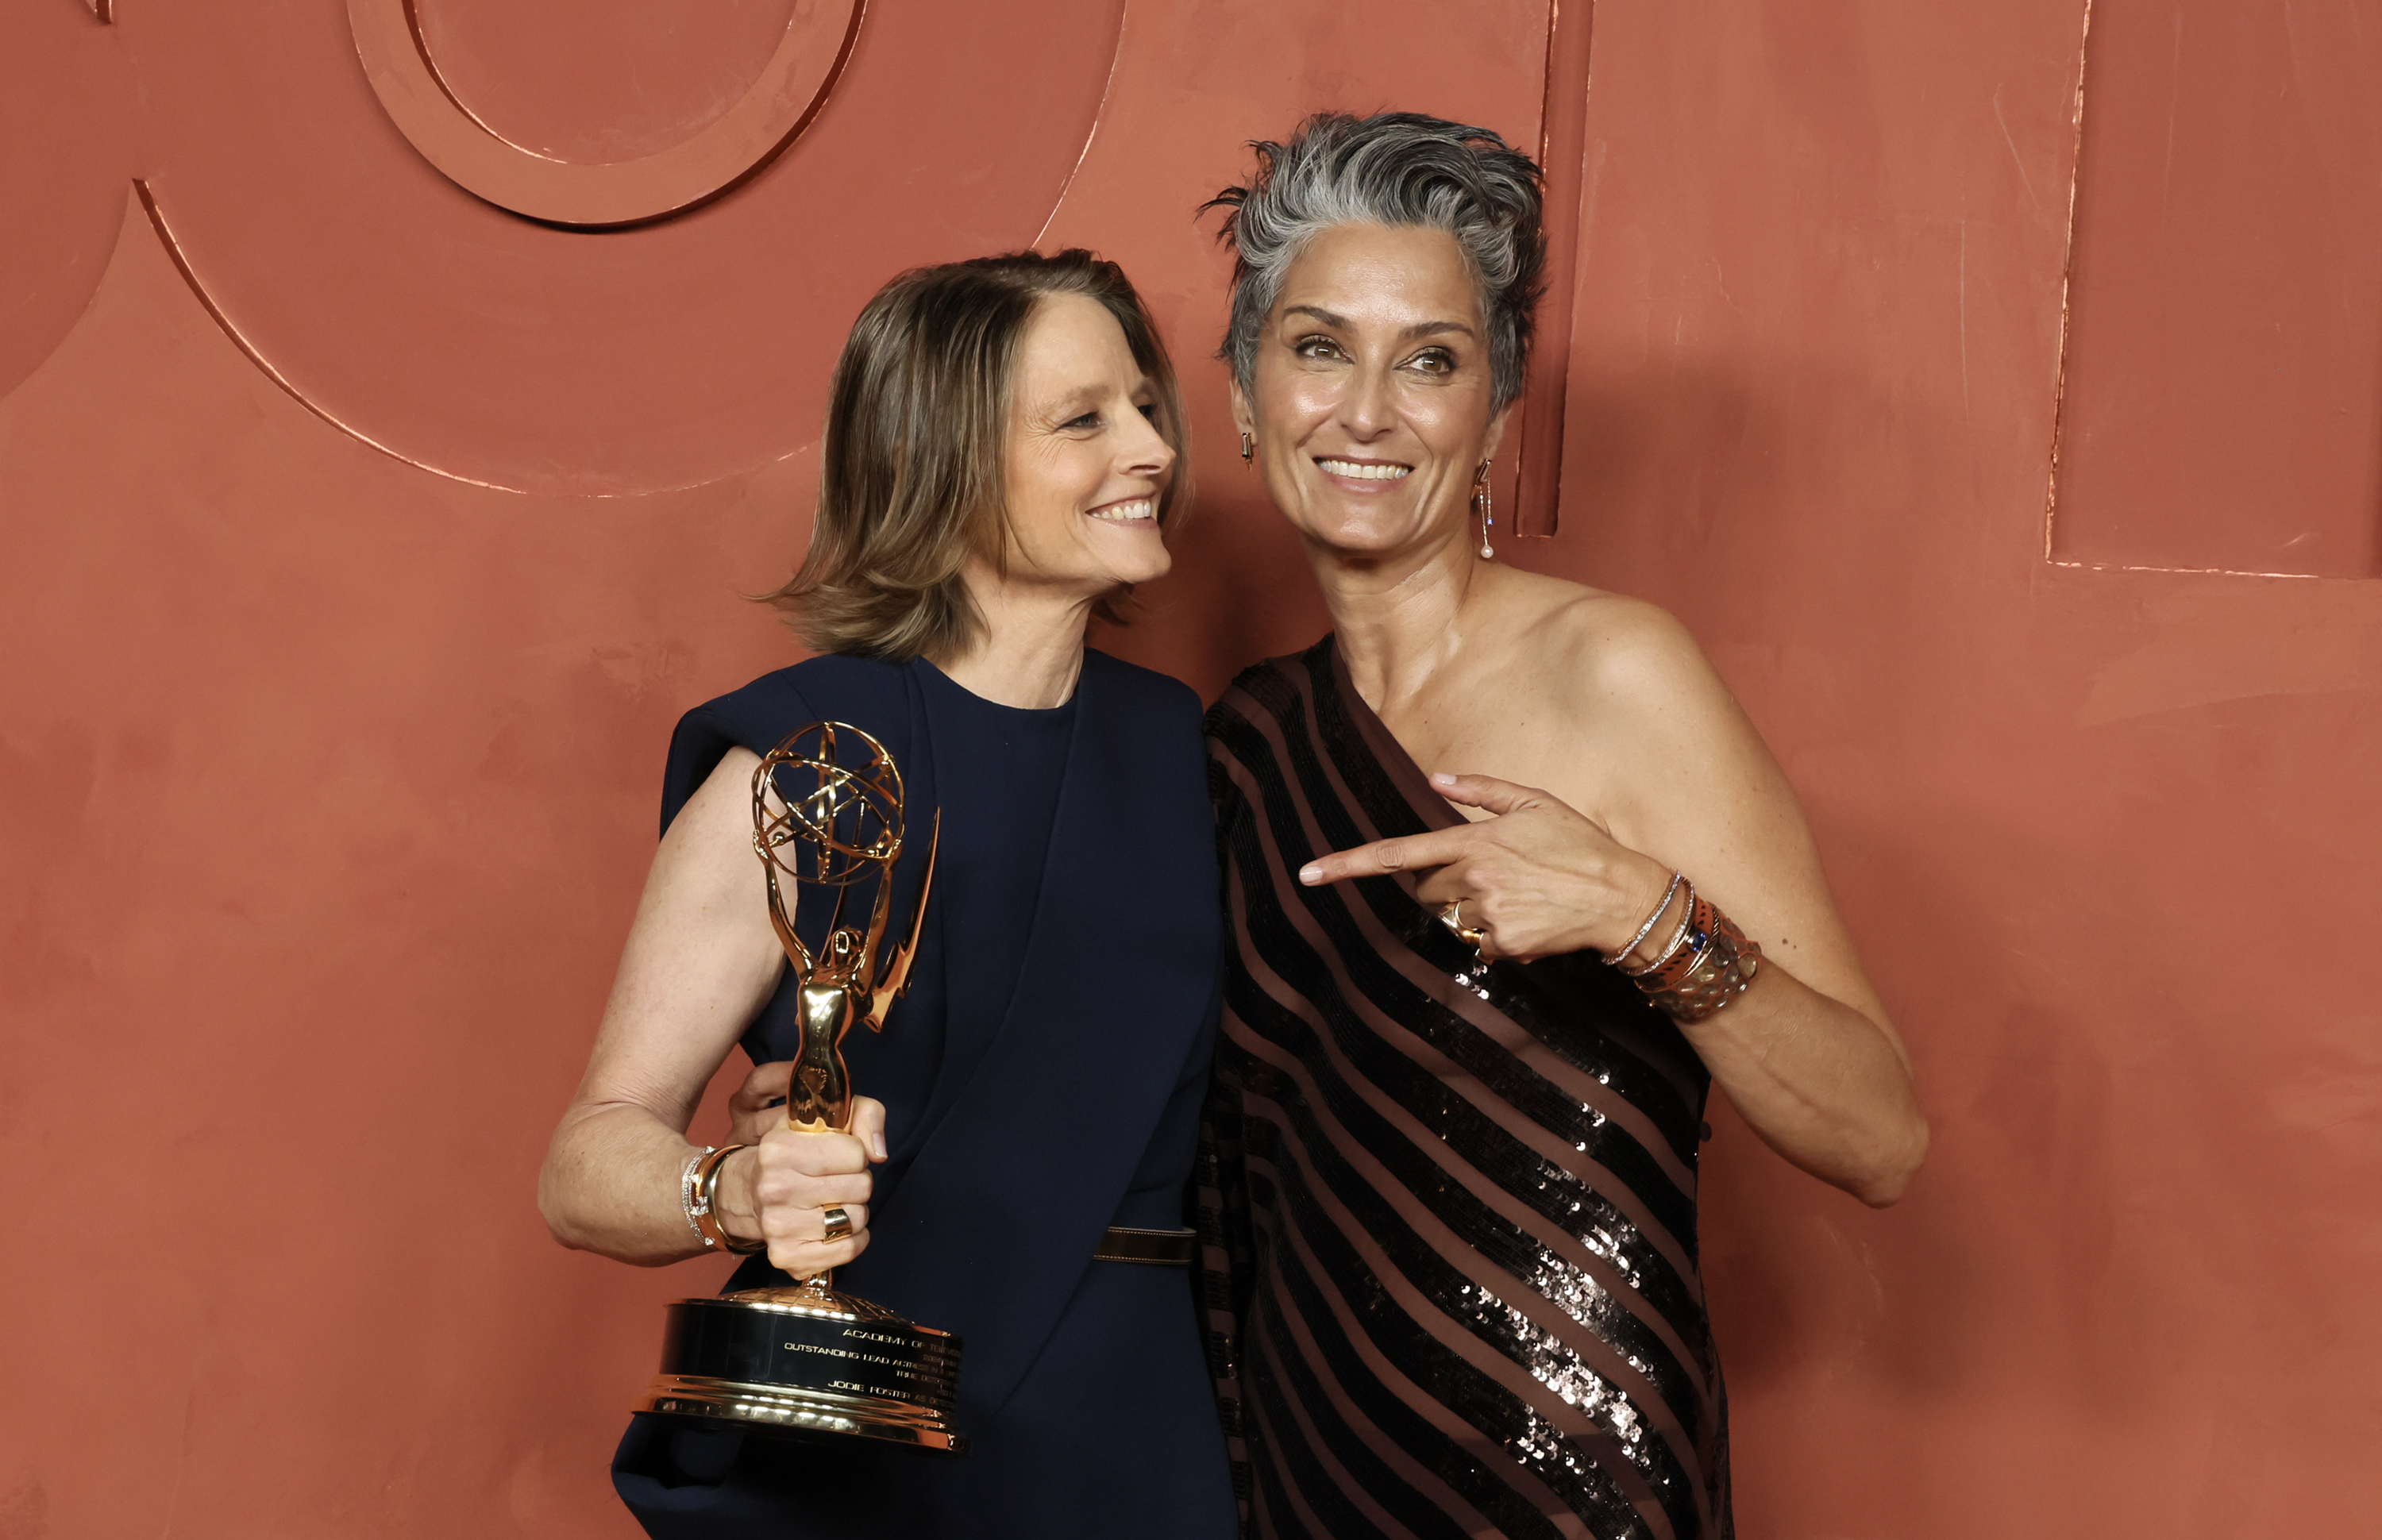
[
  {"x": 1682, "y": 781},
  {"x": 1808, "y": 1055},
  {"x": 701, "y": 960}
]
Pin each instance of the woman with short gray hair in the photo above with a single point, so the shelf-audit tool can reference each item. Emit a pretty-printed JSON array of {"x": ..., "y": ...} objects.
[{"x": 1512, "y": 881}]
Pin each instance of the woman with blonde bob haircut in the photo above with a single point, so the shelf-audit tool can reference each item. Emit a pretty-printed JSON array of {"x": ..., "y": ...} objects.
[{"x": 1000, "y": 462}]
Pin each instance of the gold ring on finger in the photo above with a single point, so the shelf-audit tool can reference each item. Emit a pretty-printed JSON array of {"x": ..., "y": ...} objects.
[
  {"x": 838, "y": 1223},
  {"x": 1451, "y": 914}
]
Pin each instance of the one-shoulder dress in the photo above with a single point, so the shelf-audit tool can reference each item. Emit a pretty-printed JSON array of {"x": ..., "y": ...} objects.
[
  {"x": 1450, "y": 1207},
  {"x": 1042, "y": 1079}
]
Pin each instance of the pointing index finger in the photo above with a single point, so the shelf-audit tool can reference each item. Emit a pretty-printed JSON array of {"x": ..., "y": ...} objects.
[{"x": 1406, "y": 853}]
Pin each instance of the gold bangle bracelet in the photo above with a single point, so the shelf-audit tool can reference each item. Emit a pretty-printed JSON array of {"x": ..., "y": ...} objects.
[{"x": 706, "y": 1203}]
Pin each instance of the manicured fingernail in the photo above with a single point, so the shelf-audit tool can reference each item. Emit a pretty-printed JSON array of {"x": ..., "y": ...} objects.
[
  {"x": 1441, "y": 777},
  {"x": 876, "y": 1144},
  {"x": 1310, "y": 873}
]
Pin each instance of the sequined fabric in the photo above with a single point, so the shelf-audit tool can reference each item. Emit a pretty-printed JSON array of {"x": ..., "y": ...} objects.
[{"x": 1449, "y": 1207}]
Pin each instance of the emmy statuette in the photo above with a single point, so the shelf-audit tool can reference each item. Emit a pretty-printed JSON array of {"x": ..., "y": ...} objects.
[{"x": 810, "y": 1359}]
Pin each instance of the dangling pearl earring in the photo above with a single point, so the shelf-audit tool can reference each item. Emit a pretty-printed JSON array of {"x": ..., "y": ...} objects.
[
  {"x": 1484, "y": 504},
  {"x": 1248, "y": 448}
]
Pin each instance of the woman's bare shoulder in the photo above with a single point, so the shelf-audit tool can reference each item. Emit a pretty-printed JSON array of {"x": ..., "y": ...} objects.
[{"x": 1611, "y": 651}]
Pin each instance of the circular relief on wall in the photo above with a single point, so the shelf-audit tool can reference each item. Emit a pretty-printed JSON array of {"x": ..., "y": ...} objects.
[
  {"x": 403, "y": 65},
  {"x": 66, "y": 159},
  {"x": 524, "y": 353}
]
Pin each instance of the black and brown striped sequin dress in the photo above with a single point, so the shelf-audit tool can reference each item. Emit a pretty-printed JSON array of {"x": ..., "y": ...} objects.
[{"x": 1451, "y": 1208}]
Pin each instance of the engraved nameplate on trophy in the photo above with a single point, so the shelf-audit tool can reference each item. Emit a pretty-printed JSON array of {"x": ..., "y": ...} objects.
[{"x": 810, "y": 1359}]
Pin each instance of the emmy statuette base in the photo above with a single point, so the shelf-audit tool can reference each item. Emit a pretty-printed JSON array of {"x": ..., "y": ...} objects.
[{"x": 808, "y": 1360}]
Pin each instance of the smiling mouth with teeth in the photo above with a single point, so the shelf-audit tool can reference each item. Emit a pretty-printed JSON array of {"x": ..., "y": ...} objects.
[
  {"x": 1132, "y": 511},
  {"x": 1366, "y": 472}
]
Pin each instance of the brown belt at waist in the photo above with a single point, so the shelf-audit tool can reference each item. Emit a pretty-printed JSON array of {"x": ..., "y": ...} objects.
[{"x": 1170, "y": 1248}]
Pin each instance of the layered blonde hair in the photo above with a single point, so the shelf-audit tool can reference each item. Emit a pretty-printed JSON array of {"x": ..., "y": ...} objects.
[{"x": 910, "y": 474}]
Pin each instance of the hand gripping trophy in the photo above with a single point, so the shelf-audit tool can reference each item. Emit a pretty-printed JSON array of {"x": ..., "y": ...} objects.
[{"x": 809, "y": 1359}]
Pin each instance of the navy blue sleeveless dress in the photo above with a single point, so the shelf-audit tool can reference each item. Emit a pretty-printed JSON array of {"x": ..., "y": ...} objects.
[{"x": 1042, "y": 1080}]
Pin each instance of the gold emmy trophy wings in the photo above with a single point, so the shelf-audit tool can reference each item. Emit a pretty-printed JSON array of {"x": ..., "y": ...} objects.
[{"x": 810, "y": 1359}]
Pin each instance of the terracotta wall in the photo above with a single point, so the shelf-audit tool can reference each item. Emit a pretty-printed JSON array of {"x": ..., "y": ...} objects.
[{"x": 352, "y": 570}]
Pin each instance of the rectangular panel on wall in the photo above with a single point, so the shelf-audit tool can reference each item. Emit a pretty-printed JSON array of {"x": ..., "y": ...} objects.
[{"x": 2223, "y": 401}]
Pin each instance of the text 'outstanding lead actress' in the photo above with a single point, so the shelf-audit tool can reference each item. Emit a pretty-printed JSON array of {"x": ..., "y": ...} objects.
[{"x": 999, "y": 463}]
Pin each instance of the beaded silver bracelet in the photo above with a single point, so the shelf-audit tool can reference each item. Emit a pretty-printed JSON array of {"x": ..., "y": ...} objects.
[
  {"x": 686, "y": 1193},
  {"x": 1616, "y": 958},
  {"x": 1678, "y": 939}
]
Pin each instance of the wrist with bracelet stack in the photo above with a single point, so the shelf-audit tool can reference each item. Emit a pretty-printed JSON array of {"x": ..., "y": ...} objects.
[
  {"x": 1705, "y": 966},
  {"x": 699, "y": 1196}
]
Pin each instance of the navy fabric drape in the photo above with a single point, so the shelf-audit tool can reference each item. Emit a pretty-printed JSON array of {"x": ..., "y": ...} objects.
[{"x": 1016, "y": 1135}]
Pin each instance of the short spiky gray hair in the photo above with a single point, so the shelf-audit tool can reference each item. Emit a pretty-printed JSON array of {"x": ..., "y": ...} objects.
[{"x": 1394, "y": 169}]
